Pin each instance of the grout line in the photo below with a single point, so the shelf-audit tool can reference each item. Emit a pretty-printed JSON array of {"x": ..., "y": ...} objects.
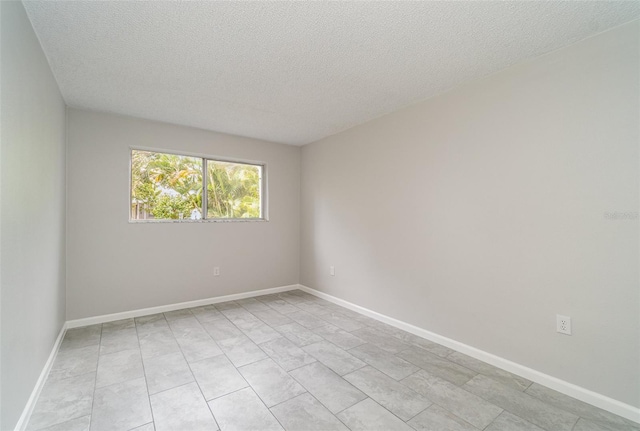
[
  {"x": 302, "y": 366},
  {"x": 195, "y": 380},
  {"x": 144, "y": 373},
  {"x": 133, "y": 429},
  {"x": 463, "y": 420},
  {"x": 367, "y": 397},
  {"x": 168, "y": 389},
  {"x": 268, "y": 408},
  {"x": 346, "y": 381},
  {"x": 289, "y": 399},
  {"x": 271, "y": 359},
  {"x": 421, "y": 411},
  {"x": 95, "y": 381},
  {"x": 233, "y": 391},
  {"x": 65, "y": 421}
]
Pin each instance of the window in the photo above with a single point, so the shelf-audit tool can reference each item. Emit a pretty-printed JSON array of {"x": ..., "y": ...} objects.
[{"x": 168, "y": 186}]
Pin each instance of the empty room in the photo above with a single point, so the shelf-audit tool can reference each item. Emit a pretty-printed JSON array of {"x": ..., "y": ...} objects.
[{"x": 331, "y": 215}]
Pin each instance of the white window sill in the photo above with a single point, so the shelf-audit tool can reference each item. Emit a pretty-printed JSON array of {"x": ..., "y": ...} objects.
[{"x": 189, "y": 221}]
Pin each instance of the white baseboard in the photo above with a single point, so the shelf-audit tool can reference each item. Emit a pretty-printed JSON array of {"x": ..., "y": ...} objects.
[
  {"x": 28, "y": 409},
  {"x": 31, "y": 403},
  {"x": 625, "y": 410},
  {"x": 171, "y": 307},
  {"x": 614, "y": 406}
]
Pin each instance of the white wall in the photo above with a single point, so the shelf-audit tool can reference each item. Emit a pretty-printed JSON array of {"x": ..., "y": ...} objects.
[
  {"x": 480, "y": 214},
  {"x": 114, "y": 265},
  {"x": 32, "y": 208}
]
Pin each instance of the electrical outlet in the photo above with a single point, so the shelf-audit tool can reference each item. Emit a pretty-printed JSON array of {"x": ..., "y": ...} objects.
[
  {"x": 332, "y": 270},
  {"x": 216, "y": 271},
  {"x": 563, "y": 324}
]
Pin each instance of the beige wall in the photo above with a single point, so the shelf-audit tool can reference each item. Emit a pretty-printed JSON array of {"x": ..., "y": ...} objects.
[
  {"x": 32, "y": 209},
  {"x": 115, "y": 266},
  {"x": 480, "y": 214}
]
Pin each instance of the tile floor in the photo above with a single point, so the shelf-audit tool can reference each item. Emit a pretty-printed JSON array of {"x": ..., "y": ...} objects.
[{"x": 287, "y": 361}]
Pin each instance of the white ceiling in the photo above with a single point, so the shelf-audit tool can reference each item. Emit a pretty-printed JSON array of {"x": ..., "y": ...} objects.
[{"x": 293, "y": 72}]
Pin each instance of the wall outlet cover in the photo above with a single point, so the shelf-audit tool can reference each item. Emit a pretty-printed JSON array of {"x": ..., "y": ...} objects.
[{"x": 563, "y": 324}]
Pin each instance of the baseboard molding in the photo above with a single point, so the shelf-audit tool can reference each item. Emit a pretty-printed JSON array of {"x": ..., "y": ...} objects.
[
  {"x": 31, "y": 403},
  {"x": 598, "y": 400},
  {"x": 625, "y": 410},
  {"x": 26, "y": 413},
  {"x": 171, "y": 307}
]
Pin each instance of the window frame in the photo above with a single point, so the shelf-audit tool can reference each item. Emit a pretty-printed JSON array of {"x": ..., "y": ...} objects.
[{"x": 264, "y": 207}]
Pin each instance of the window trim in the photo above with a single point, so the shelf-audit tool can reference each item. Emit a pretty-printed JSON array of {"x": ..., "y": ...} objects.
[{"x": 264, "y": 206}]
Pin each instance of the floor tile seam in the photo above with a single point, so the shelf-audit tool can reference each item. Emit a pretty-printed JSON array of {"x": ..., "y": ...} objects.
[
  {"x": 516, "y": 414},
  {"x": 130, "y": 348},
  {"x": 95, "y": 382},
  {"x": 495, "y": 419},
  {"x": 369, "y": 397},
  {"x": 597, "y": 423},
  {"x": 263, "y": 321},
  {"x": 70, "y": 349},
  {"x": 312, "y": 396},
  {"x": 290, "y": 312},
  {"x": 69, "y": 377},
  {"x": 171, "y": 388},
  {"x": 433, "y": 403},
  {"x": 257, "y": 344},
  {"x": 382, "y": 371},
  {"x": 396, "y": 414},
  {"x": 144, "y": 373},
  {"x": 179, "y": 317},
  {"x": 458, "y": 387},
  {"x": 278, "y": 365},
  {"x": 241, "y": 330},
  {"x": 207, "y": 331},
  {"x": 337, "y": 312},
  {"x": 339, "y": 376},
  {"x": 195, "y": 380},
  {"x": 524, "y": 390},
  {"x": 149, "y": 331},
  {"x": 232, "y": 364},
  {"x": 420, "y": 412},
  {"x": 266, "y": 353},
  {"x": 546, "y": 403},
  {"x": 200, "y": 327},
  {"x": 475, "y": 373},
  {"x": 116, "y": 351},
  {"x": 232, "y": 392},
  {"x": 580, "y": 416},
  {"x": 152, "y": 422},
  {"x": 399, "y": 382},
  {"x": 273, "y": 415},
  {"x": 350, "y": 372},
  {"x": 252, "y": 362},
  {"x": 265, "y": 404},
  {"x": 301, "y": 366},
  {"x": 636, "y": 425},
  {"x": 249, "y": 310},
  {"x": 66, "y": 420},
  {"x": 347, "y": 382},
  {"x": 284, "y": 401},
  {"x": 385, "y": 373}
]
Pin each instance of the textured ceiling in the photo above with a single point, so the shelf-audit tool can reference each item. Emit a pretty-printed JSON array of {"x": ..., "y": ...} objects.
[{"x": 293, "y": 72}]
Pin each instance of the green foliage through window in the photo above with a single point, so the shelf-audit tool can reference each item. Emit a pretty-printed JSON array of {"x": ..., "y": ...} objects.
[{"x": 169, "y": 186}]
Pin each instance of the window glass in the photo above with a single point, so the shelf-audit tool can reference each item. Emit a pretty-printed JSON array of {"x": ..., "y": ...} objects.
[{"x": 170, "y": 187}]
